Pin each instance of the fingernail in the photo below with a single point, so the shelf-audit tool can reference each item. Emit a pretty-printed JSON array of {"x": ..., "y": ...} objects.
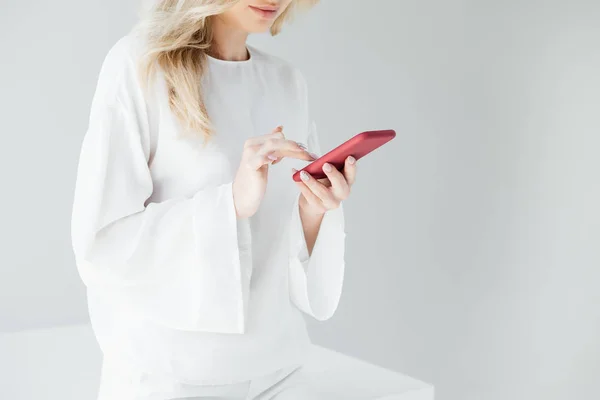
[
  {"x": 313, "y": 155},
  {"x": 304, "y": 176},
  {"x": 272, "y": 157},
  {"x": 351, "y": 160},
  {"x": 302, "y": 146},
  {"x": 327, "y": 167}
]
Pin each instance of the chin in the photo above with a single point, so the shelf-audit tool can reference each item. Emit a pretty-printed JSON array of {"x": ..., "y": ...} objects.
[{"x": 259, "y": 28}]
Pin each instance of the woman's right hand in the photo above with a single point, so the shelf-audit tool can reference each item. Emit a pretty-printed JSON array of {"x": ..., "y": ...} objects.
[{"x": 250, "y": 181}]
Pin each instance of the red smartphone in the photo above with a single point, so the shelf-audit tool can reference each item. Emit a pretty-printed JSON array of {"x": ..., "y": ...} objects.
[{"x": 358, "y": 147}]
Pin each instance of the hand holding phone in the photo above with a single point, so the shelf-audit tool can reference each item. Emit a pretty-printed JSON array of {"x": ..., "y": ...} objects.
[{"x": 357, "y": 147}]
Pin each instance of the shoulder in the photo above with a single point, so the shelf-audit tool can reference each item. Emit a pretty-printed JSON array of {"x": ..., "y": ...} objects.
[
  {"x": 123, "y": 53},
  {"x": 118, "y": 74}
]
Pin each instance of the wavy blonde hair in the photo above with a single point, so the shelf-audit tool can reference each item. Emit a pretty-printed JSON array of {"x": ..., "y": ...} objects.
[{"x": 177, "y": 35}]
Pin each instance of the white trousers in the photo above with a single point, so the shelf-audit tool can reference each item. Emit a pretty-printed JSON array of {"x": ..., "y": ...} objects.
[
  {"x": 296, "y": 384},
  {"x": 328, "y": 377},
  {"x": 286, "y": 384}
]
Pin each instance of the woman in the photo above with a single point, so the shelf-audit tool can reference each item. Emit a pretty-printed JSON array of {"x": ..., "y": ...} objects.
[{"x": 198, "y": 250}]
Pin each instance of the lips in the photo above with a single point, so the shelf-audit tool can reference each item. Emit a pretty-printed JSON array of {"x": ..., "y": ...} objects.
[{"x": 268, "y": 12}]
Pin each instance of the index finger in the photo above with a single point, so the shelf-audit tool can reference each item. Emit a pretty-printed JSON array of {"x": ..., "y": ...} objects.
[
  {"x": 277, "y": 133},
  {"x": 285, "y": 148},
  {"x": 297, "y": 154}
]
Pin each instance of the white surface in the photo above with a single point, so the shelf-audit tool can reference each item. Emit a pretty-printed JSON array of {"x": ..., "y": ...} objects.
[
  {"x": 472, "y": 239},
  {"x": 63, "y": 364}
]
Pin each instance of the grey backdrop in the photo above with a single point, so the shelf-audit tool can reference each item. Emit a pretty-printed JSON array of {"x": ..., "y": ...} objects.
[{"x": 474, "y": 239}]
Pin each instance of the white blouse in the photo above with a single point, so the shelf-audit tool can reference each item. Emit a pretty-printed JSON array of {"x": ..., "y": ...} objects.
[{"x": 178, "y": 287}]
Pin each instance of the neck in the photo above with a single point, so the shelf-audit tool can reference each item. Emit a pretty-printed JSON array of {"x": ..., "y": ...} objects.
[{"x": 228, "y": 44}]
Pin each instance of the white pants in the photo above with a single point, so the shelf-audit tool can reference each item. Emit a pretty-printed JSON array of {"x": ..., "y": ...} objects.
[
  {"x": 298, "y": 384},
  {"x": 328, "y": 377},
  {"x": 286, "y": 384}
]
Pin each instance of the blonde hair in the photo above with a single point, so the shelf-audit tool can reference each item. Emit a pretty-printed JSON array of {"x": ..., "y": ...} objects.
[{"x": 177, "y": 35}]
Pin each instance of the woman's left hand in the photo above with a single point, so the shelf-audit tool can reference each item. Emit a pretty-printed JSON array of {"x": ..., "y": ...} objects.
[{"x": 320, "y": 196}]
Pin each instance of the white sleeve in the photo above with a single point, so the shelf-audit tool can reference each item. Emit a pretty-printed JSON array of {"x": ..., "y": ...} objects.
[
  {"x": 316, "y": 281},
  {"x": 184, "y": 263}
]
